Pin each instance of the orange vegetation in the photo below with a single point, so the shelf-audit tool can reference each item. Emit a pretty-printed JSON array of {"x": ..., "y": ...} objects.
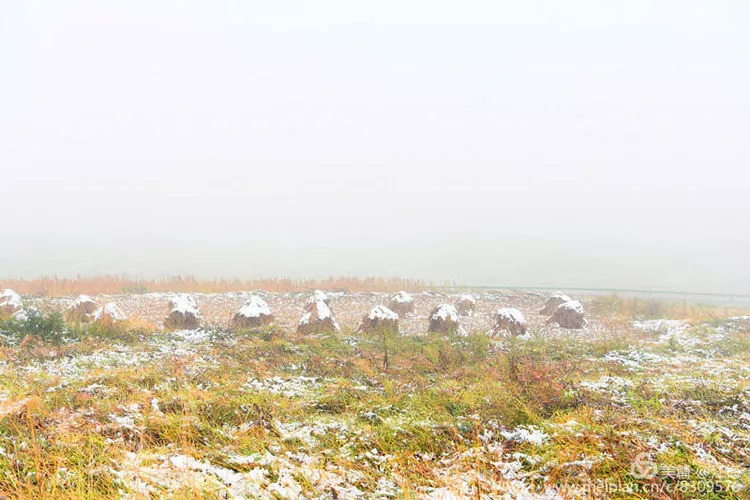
[{"x": 53, "y": 286}]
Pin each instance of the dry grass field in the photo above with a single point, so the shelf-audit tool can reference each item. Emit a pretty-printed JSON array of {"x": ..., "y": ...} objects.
[{"x": 650, "y": 400}]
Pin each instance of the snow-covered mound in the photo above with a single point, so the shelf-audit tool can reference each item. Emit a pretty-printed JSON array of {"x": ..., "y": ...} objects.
[
  {"x": 254, "y": 313},
  {"x": 569, "y": 315},
  {"x": 316, "y": 296},
  {"x": 81, "y": 310},
  {"x": 379, "y": 319},
  {"x": 318, "y": 318},
  {"x": 509, "y": 319},
  {"x": 182, "y": 301},
  {"x": 444, "y": 319},
  {"x": 184, "y": 314},
  {"x": 10, "y": 302},
  {"x": 466, "y": 305},
  {"x": 554, "y": 302},
  {"x": 109, "y": 313},
  {"x": 401, "y": 303}
]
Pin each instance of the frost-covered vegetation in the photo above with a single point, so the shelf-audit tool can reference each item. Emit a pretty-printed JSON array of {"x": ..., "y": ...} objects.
[{"x": 633, "y": 406}]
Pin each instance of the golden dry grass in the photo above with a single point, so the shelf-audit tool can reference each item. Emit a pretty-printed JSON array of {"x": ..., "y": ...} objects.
[{"x": 55, "y": 287}]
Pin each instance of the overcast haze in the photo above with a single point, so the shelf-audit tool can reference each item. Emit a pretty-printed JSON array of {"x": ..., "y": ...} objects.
[{"x": 528, "y": 143}]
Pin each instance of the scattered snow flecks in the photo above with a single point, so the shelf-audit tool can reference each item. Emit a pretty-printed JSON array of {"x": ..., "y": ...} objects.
[
  {"x": 291, "y": 387},
  {"x": 635, "y": 358},
  {"x": 192, "y": 336},
  {"x": 307, "y": 432},
  {"x": 613, "y": 385},
  {"x": 528, "y": 434},
  {"x": 661, "y": 326}
]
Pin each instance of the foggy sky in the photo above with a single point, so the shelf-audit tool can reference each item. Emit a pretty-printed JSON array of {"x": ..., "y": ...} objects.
[{"x": 588, "y": 143}]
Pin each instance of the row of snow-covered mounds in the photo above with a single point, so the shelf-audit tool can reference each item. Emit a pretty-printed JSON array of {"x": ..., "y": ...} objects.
[
  {"x": 83, "y": 309},
  {"x": 503, "y": 312}
]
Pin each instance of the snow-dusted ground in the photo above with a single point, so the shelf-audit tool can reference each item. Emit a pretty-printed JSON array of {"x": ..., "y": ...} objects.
[{"x": 698, "y": 372}]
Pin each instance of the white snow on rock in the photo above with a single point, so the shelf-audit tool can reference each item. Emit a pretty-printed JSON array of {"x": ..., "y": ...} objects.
[
  {"x": 319, "y": 296},
  {"x": 510, "y": 319},
  {"x": 569, "y": 315},
  {"x": 109, "y": 312},
  {"x": 572, "y": 305},
  {"x": 184, "y": 303},
  {"x": 10, "y": 301},
  {"x": 380, "y": 312},
  {"x": 401, "y": 303},
  {"x": 83, "y": 299},
  {"x": 81, "y": 309},
  {"x": 318, "y": 319},
  {"x": 554, "y": 302},
  {"x": 467, "y": 298},
  {"x": 322, "y": 312},
  {"x": 466, "y": 304},
  {"x": 379, "y": 319},
  {"x": 510, "y": 314},
  {"x": 445, "y": 311},
  {"x": 254, "y": 313},
  {"x": 402, "y": 297},
  {"x": 255, "y": 307},
  {"x": 444, "y": 319},
  {"x": 184, "y": 313}
]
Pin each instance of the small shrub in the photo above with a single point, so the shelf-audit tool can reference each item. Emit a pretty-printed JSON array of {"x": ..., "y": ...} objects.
[{"x": 47, "y": 327}]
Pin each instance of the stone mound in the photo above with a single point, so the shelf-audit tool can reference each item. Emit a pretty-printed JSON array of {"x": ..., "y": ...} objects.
[
  {"x": 569, "y": 315},
  {"x": 510, "y": 320},
  {"x": 81, "y": 310},
  {"x": 554, "y": 302},
  {"x": 379, "y": 319},
  {"x": 254, "y": 313},
  {"x": 318, "y": 318},
  {"x": 444, "y": 319},
  {"x": 183, "y": 315},
  {"x": 466, "y": 305},
  {"x": 401, "y": 303}
]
